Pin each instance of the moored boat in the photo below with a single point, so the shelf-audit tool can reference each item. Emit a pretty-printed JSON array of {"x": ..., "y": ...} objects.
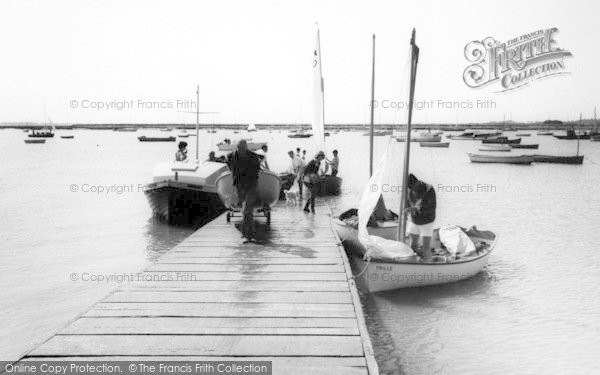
[
  {"x": 519, "y": 159},
  {"x": 383, "y": 275},
  {"x": 595, "y": 138},
  {"x": 545, "y": 133},
  {"x": 557, "y": 159},
  {"x": 38, "y": 134},
  {"x": 181, "y": 192},
  {"x": 379, "y": 133},
  {"x": 435, "y": 138},
  {"x": 143, "y": 138},
  {"x": 300, "y": 134},
  {"x": 67, "y": 136},
  {"x": 434, "y": 144},
  {"x": 529, "y": 146},
  {"x": 502, "y": 148},
  {"x": 501, "y": 140},
  {"x": 388, "y": 263},
  {"x": 523, "y": 134},
  {"x": 43, "y": 140}
]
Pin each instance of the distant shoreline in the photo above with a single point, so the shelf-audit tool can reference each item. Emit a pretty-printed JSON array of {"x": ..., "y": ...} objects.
[{"x": 586, "y": 125}]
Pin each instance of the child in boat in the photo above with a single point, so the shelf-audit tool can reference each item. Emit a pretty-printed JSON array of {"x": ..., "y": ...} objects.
[
  {"x": 421, "y": 206},
  {"x": 181, "y": 154},
  {"x": 334, "y": 163}
]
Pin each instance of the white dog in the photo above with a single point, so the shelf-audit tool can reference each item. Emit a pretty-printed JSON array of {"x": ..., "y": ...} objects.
[{"x": 291, "y": 197}]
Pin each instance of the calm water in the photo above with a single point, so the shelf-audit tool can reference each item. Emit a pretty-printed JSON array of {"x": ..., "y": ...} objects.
[{"x": 535, "y": 310}]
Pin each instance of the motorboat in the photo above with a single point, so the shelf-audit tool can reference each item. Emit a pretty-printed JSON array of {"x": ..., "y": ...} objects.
[{"x": 180, "y": 192}]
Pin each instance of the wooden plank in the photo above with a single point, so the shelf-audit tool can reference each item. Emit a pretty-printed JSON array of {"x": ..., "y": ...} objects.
[
  {"x": 213, "y": 326},
  {"x": 250, "y": 255},
  {"x": 251, "y": 285},
  {"x": 267, "y": 250},
  {"x": 234, "y": 297},
  {"x": 200, "y": 267},
  {"x": 301, "y": 310},
  {"x": 224, "y": 276},
  {"x": 223, "y": 345},
  {"x": 255, "y": 260}
]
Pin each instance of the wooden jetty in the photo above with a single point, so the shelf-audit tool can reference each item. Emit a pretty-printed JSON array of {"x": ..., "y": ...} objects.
[{"x": 289, "y": 299}]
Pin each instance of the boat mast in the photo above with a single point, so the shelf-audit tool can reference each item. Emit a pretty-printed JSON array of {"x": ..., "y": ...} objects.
[
  {"x": 578, "y": 135},
  {"x": 197, "y": 119},
  {"x": 413, "y": 76},
  {"x": 372, "y": 110}
]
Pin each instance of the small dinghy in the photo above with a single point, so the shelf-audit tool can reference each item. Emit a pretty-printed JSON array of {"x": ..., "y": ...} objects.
[
  {"x": 520, "y": 159},
  {"x": 529, "y": 146},
  {"x": 156, "y": 139},
  {"x": 269, "y": 186},
  {"x": 42, "y": 140},
  {"x": 382, "y": 259},
  {"x": 502, "y": 148},
  {"x": 434, "y": 144},
  {"x": 67, "y": 136}
]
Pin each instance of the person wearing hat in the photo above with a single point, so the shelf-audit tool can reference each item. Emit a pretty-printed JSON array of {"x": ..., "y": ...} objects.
[
  {"x": 311, "y": 180},
  {"x": 181, "y": 154},
  {"x": 421, "y": 206}
]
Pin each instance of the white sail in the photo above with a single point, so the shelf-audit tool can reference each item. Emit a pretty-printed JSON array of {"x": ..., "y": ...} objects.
[
  {"x": 251, "y": 128},
  {"x": 378, "y": 247},
  {"x": 318, "y": 115}
]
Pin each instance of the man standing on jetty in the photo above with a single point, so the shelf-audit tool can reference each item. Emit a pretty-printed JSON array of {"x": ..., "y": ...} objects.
[{"x": 245, "y": 166}]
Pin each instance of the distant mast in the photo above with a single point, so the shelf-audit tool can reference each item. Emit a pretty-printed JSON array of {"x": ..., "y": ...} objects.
[
  {"x": 197, "y": 121},
  {"x": 318, "y": 96},
  {"x": 372, "y": 111}
]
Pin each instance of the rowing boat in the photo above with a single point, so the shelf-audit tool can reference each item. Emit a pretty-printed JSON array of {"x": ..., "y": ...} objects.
[
  {"x": 519, "y": 159},
  {"x": 434, "y": 144},
  {"x": 503, "y": 148}
]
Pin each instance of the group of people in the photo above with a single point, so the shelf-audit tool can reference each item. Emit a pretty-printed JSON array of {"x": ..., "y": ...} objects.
[{"x": 308, "y": 174}]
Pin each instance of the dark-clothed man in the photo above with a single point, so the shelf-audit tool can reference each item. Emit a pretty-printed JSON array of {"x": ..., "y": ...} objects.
[
  {"x": 421, "y": 206},
  {"x": 245, "y": 166}
]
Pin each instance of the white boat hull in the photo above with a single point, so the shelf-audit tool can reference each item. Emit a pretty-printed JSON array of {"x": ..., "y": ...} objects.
[
  {"x": 185, "y": 192},
  {"x": 269, "y": 185},
  {"x": 381, "y": 276},
  {"x": 520, "y": 159},
  {"x": 252, "y": 146},
  {"x": 385, "y": 276}
]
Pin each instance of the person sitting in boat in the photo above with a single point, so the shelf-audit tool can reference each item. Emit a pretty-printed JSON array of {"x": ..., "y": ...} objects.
[
  {"x": 421, "y": 206},
  {"x": 181, "y": 154},
  {"x": 298, "y": 154},
  {"x": 262, "y": 152},
  {"x": 334, "y": 163},
  {"x": 311, "y": 180},
  {"x": 245, "y": 166},
  {"x": 227, "y": 141}
]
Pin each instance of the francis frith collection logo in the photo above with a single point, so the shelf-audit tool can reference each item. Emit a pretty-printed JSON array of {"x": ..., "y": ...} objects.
[{"x": 516, "y": 62}]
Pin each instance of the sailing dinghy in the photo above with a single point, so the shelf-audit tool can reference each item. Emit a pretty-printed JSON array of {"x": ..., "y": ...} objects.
[{"x": 389, "y": 263}]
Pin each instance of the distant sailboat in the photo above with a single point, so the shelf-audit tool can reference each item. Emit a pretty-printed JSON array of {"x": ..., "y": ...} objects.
[
  {"x": 329, "y": 185},
  {"x": 251, "y": 128}
]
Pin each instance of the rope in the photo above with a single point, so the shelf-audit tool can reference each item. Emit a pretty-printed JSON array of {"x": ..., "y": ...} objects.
[{"x": 361, "y": 272}]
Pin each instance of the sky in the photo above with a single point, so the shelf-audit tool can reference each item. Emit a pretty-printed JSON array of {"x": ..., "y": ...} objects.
[{"x": 62, "y": 60}]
